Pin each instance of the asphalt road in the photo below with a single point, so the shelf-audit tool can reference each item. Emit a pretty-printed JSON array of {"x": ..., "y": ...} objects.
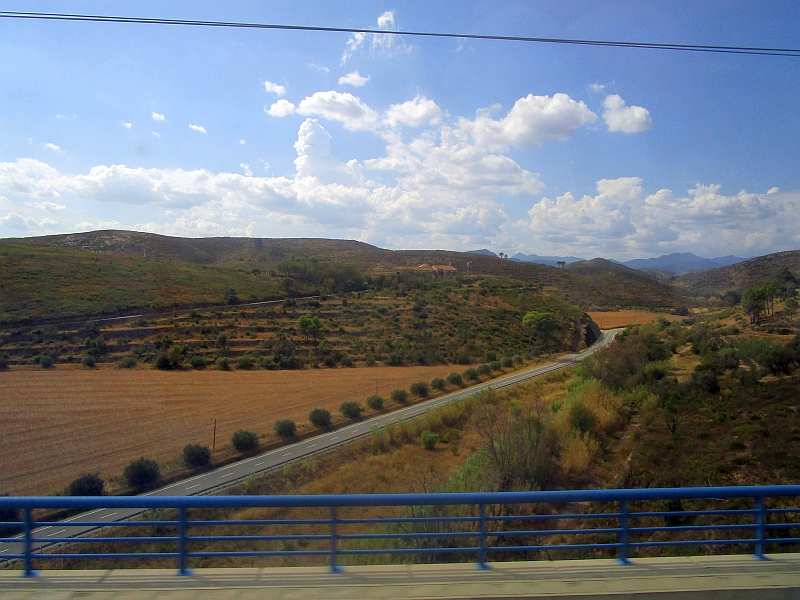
[{"x": 83, "y": 524}]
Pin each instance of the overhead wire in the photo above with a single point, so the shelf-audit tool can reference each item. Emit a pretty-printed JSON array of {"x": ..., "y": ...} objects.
[{"x": 748, "y": 50}]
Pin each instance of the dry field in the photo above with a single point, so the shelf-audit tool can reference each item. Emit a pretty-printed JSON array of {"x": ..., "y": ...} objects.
[
  {"x": 621, "y": 318},
  {"x": 57, "y": 425}
]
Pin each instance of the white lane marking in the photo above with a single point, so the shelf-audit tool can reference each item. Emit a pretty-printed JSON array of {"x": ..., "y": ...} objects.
[
  {"x": 3, "y": 551},
  {"x": 56, "y": 532},
  {"x": 312, "y": 445},
  {"x": 83, "y": 515},
  {"x": 334, "y": 437},
  {"x": 287, "y": 454},
  {"x": 229, "y": 466},
  {"x": 191, "y": 487},
  {"x": 227, "y": 474},
  {"x": 258, "y": 464},
  {"x": 43, "y": 528},
  {"x": 108, "y": 515}
]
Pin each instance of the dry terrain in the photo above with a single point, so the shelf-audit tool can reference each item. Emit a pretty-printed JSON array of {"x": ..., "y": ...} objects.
[
  {"x": 621, "y": 318},
  {"x": 60, "y": 424}
]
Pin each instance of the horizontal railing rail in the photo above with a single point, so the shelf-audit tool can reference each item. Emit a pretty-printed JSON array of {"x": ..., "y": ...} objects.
[{"x": 464, "y": 526}]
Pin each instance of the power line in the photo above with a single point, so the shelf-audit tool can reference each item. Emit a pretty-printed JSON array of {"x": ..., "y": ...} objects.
[{"x": 759, "y": 51}]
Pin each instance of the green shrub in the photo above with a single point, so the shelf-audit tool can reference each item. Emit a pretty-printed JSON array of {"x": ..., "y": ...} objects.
[
  {"x": 45, "y": 362},
  {"x": 507, "y": 362},
  {"x": 582, "y": 418},
  {"x": 471, "y": 374},
  {"x": 429, "y": 439},
  {"x": 347, "y": 361},
  {"x": 370, "y": 360},
  {"x": 195, "y": 456},
  {"x": 3, "y": 363},
  {"x": 222, "y": 364},
  {"x": 198, "y": 362},
  {"x": 285, "y": 428},
  {"x": 86, "y": 485},
  {"x": 399, "y": 396},
  {"x": 162, "y": 362},
  {"x": 496, "y": 365},
  {"x": 88, "y": 361},
  {"x": 320, "y": 417},
  {"x": 437, "y": 383},
  {"x": 142, "y": 474},
  {"x": 517, "y": 359},
  {"x": 127, "y": 363},
  {"x": 375, "y": 402},
  {"x": 245, "y": 441},
  {"x": 455, "y": 379},
  {"x": 351, "y": 410},
  {"x": 419, "y": 389},
  {"x": 244, "y": 363},
  {"x": 484, "y": 369}
]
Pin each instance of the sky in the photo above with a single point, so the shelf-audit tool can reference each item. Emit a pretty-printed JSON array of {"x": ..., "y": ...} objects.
[{"x": 406, "y": 142}]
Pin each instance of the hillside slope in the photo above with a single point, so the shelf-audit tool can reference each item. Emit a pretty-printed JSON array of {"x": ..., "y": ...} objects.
[{"x": 740, "y": 276}]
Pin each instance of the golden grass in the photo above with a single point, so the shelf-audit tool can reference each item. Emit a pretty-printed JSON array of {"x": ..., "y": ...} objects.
[
  {"x": 60, "y": 424},
  {"x": 621, "y": 318}
]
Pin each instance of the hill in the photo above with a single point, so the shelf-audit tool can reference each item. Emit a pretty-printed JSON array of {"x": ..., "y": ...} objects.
[
  {"x": 740, "y": 276},
  {"x": 679, "y": 263},
  {"x": 545, "y": 260},
  {"x": 106, "y": 273}
]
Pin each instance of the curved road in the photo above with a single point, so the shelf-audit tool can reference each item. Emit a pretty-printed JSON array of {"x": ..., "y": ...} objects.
[{"x": 85, "y": 523}]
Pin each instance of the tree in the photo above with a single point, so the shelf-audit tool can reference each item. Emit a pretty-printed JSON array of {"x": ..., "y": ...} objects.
[
  {"x": 245, "y": 441},
  {"x": 375, "y": 402},
  {"x": 196, "y": 456},
  {"x": 753, "y": 301},
  {"x": 309, "y": 325},
  {"x": 142, "y": 474},
  {"x": 285, "y": 428},
  {"x": 399, "y": 396},
  {"x": 86, "y": 485},
  {"x": 543, "y": 327},
  {"x": 429, "y": 439},
  {"x": 437, "y": 383},
  {"x": 561, "y": 263},
  {"x": 455, "y": 379},
  {"x": 350, "y": 410},
  {"x": 419, "y": 388},
  {"x": 319, "y": 417}
]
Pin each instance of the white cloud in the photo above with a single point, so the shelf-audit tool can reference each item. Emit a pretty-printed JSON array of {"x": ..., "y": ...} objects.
[
  {"x": 198, "y": 128},
  {"x": 282, "y": 108},
  {"x": 416, "y": 112},
  {"x": 127, "y": 125},
  {"x": 342, "y": 107},
  {"x": 158, "y": 116},
  {"x": 52, "y": 147},
  {"x": 48, "y": 206},
  {"x": 158, "y": 135},
  {"x": 319, "y": 68},
  {"x": 532, "y": 121},
  {"x": 628, "y": 119},
  {"x": 242, "y": 142},
  {"x": 597, "y": 87},
  {"x": 386, "y": 44},
  {"x": 16, "y": 222},
  {"x": 274, "y": 88},
  {"x": 247, "y": 170},
  {"x": 354, "y": 79},
  {"x": 61, "y": 117}
]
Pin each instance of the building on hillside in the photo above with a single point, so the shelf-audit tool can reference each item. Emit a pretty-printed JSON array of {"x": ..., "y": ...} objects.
[{"x": 447, "y": 271}]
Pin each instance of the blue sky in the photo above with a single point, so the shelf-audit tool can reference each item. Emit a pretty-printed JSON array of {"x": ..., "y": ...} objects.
[{"x": 406, "y": 142}]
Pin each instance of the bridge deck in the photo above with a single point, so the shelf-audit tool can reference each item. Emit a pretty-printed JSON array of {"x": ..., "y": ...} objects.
[{"x": 729, "y": 577}]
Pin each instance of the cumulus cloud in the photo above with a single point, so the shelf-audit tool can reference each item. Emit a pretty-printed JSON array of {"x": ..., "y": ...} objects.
[
  {"x": 16, "y": 222},
  {"x": 158, "y": 116},
  {"x": 354, "y": 79},
  {"x": 597, "y": 87},
  {"x": 52, "y": 147},
  {"x": 416, "y": 112},
  {"x": 532, "y": 121},
  {"x": 274, "y": 88},
  {"x": 628, "y": 119},
  {"x": 48, "y": 206},
  {"x": 198, "y": 128},
  {"x": 281, "y": 108},
  {"x": 247, "y": 170},
  {"x": 342, "y": 107},
  {"x": 127, "y": 125}
]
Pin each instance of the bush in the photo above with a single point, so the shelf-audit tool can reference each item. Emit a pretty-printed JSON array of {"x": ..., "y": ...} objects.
[
  {"x": 222, "y": 364},
  {"x": 195, "y": 456},
  {"x": 496, "y": 365},
  {"x": 198, "y": 362},
  {"x": 347, "y": 361},
  {"x": 455, "y": 379},
  {"x": 162, "y": 362},
  {"x": 88, "y": 361},
  {"x": 581, "y": 418},
  {"x": 429, "y": 439},
  {"x": 245, "y": 441},
  {"x": 244, "y": 363},
  {"x": 142, "y": 474},
  {"x": 86, "y": 485},
  {"x": 285, "y": 428},
  {"x": 517, "y": 359},
  {"x": 3, "y": 363},
  {"x": 419, "y": 389},
  {"x": 375, "y": 402},
  {"x": 507, "y": 362},
  {"x": 399, "y": 396},
  {"x": 471, "y": 374},
  {"x": 682, "y": 311},
  {"x": 484, "y": 369},
  {"x": 320, "y": 417},
  {"x": 437, "y": 383},
  {"x": 351, "y": 410},
  {"x": 127, "y": 363},
  {"x": 45, "y": 362}
]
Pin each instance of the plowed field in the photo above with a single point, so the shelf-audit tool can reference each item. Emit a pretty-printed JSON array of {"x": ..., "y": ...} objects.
[
  {"x": 57, "y": 425},
  {"x": 610, "y": 320}
]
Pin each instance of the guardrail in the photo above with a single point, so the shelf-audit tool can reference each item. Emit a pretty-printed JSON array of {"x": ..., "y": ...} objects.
[{"x": 478, "y": 525}]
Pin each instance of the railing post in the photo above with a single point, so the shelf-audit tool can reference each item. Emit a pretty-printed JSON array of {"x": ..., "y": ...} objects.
[
  {"x": 28, "y": 552},
  {"x": 623, "y": 533},
  {"x": 182, "y": 570},
  {"x": 334, "y": 567},
  {"x": 482, "y": 564},
  {"x": 761, "y": 529}
]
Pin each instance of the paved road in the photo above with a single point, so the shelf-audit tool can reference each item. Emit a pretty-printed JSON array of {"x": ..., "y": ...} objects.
[{"x": 85, "y": 523}]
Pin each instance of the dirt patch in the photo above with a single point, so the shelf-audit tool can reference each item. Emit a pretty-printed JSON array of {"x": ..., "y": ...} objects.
[
  {"x": 621, "y": 318},
  {"x": 59, "y": 424}
]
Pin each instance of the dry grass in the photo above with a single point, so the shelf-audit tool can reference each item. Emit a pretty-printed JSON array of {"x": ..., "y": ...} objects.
[
  {"x": 59, "y": 424},
  {"x": 621, "y": 318}
]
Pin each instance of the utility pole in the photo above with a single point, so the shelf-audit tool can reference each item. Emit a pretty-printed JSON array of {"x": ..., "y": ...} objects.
[{"x": 214, "y": 442}]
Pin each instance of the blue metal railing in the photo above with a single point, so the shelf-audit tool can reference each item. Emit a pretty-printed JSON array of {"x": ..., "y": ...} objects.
[{"x": 591, "y": 522}]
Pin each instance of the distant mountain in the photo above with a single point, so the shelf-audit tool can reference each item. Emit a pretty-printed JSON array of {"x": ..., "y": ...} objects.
[
  {"x": 740, "y": 275},
  {"x": 551, "y": 261},
  {"x": 679, "y": 263},
  {"x": 482, "y": 251}
]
